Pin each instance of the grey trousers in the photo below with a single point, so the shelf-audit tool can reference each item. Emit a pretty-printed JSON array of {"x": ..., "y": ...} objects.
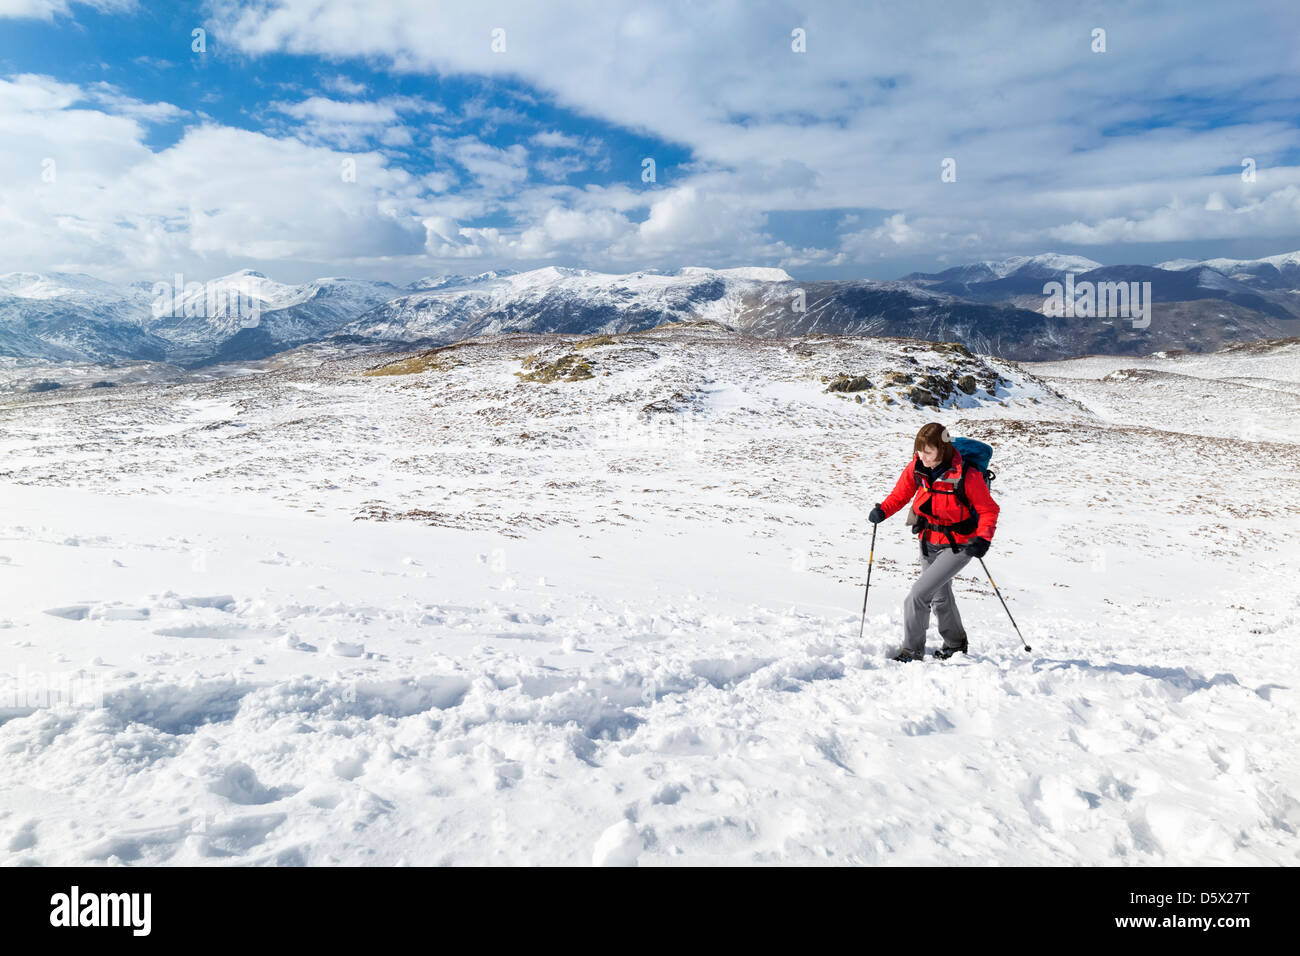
[{"x": 933, "y": 592}]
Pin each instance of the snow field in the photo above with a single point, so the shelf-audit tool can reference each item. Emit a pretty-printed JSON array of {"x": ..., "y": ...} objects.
[{"x": 598, "y": 645}]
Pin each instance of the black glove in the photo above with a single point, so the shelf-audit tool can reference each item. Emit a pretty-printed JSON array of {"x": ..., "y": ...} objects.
[
  {"x": 876, "y": 515},
  {"x": 977, "y": 547}
]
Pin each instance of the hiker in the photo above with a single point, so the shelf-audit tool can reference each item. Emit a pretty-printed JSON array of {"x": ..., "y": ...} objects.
[{"x": 954, "y": 516}]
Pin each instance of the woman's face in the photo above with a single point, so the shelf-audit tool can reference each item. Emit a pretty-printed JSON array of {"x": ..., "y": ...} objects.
[{"x": 929, "y": 456}]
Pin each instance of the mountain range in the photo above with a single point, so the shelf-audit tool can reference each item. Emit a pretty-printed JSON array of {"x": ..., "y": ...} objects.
[{"x": 994, "y": 307}]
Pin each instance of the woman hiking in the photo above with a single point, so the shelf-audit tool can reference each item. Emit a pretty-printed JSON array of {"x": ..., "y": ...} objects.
[{"x": 954, "y": 523}]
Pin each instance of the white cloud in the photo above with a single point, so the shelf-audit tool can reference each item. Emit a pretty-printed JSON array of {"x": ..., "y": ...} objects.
[
  {"x": 115, "y": 101},
  {"x": 1054, "y": 144},
  {"x": 31, "y": 93},
  {"x": 352, "y": 124},
  {"x": 1274, "y": 213},
  {"x": 559, "y": 168},
  {"x": 563, "y": 155},
  {"x": 897, "y": 231},
  {"x": 863, "y": 118},
  {"x": 893, "y": 236},
  {"x": 344, "y": 85},
  {"x": 553, "y": 139},
  {"x": 79, "y": 190},
  {"x": 338, "y": 111},
  {"x": 499, "y": 171},
  {"x": 49, "y": 9},
  {"x": 566, "y": 230}
]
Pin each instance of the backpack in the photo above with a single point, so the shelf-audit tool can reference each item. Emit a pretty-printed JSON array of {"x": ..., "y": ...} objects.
[
  {"x": 977, "y": 455},
  {"x": 974, "y": 454}
]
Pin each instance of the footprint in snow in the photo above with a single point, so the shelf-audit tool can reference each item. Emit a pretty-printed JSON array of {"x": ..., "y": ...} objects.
[
  {"x": 24, "y": 837},
  {"x": 73, "y": 612},
  {"x": 349, "y": 768},
  {"x": 238, "y": 783},
  {"x": 239, "y": 835},
  {"x": 295, "y": 643}
]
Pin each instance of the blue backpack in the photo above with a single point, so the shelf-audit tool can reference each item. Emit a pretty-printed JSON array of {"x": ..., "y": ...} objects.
[{"x": 977, "y": 455}]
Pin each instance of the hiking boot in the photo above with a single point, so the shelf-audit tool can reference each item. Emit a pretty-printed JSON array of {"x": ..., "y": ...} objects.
[
  {"x": 944, "y": 653},
  {"x": 904, "y": 657}
]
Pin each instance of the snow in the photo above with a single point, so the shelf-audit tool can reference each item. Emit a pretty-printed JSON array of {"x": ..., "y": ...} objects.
[
  {"x": 1211, "y": 279},
  {"x": 1178, "y": 265},
  {"x": 441, "y": 309},
  {"x": 1228, "y": 266},
  {"x": 31, "y": 285},
  {"x": 49, "y": 313},
  {"x": 459, "y": 618},
  {"x": 1045, "y": 262},
  {"x": 618, "y": 846},
  {"x": 756, "y": 273}
]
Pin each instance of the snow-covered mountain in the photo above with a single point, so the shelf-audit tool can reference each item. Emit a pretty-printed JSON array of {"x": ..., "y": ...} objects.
[
  {"x": 65, "y": 317},
  {"x": 760, "y": 301},
  {"x": 1228, "y": 266},
  {"x": 1196, "y": 305},
  {"x": 1043, "y": 266},
  {"x": 260, "y": 316},
  {"x": 1273, "y": 273},
  {"x": 1046, "y": 264},
  {"x": 72, "y": 317},
  {"x": 431, "y": 283},
  {"x": 993, "y": 306},
  {"x": 557, "y": 299}
]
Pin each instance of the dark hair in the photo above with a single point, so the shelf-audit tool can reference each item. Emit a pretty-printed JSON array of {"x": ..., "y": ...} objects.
[{"x": 935, "y": 436}]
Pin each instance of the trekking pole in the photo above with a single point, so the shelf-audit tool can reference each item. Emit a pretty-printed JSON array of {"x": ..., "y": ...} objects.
[
  {"x": 870, "y": 558},
  {"x": 999, "y": 594}
]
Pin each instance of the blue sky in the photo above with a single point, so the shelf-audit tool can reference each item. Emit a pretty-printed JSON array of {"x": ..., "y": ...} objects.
[{"x": 515, "y": 135}]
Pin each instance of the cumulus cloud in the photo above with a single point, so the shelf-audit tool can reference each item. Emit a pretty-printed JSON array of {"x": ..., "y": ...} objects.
[
  {"x": 1273, "y": 213},
  {"x": 80, "y": 189},
  {"x": 569, "y": 229},
  {"x": 864, "y": 116},
  {"x": 686, "y": 215},
  {"x": 1055, "y": 144},
  {"x": 897, "y": 231}
]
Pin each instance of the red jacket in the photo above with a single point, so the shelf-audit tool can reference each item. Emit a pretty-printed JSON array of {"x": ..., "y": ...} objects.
[{"x": 942, "y": 504}]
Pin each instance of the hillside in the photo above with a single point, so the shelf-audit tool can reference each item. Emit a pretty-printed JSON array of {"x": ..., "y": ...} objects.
[{"x": 547, "y": 599}]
